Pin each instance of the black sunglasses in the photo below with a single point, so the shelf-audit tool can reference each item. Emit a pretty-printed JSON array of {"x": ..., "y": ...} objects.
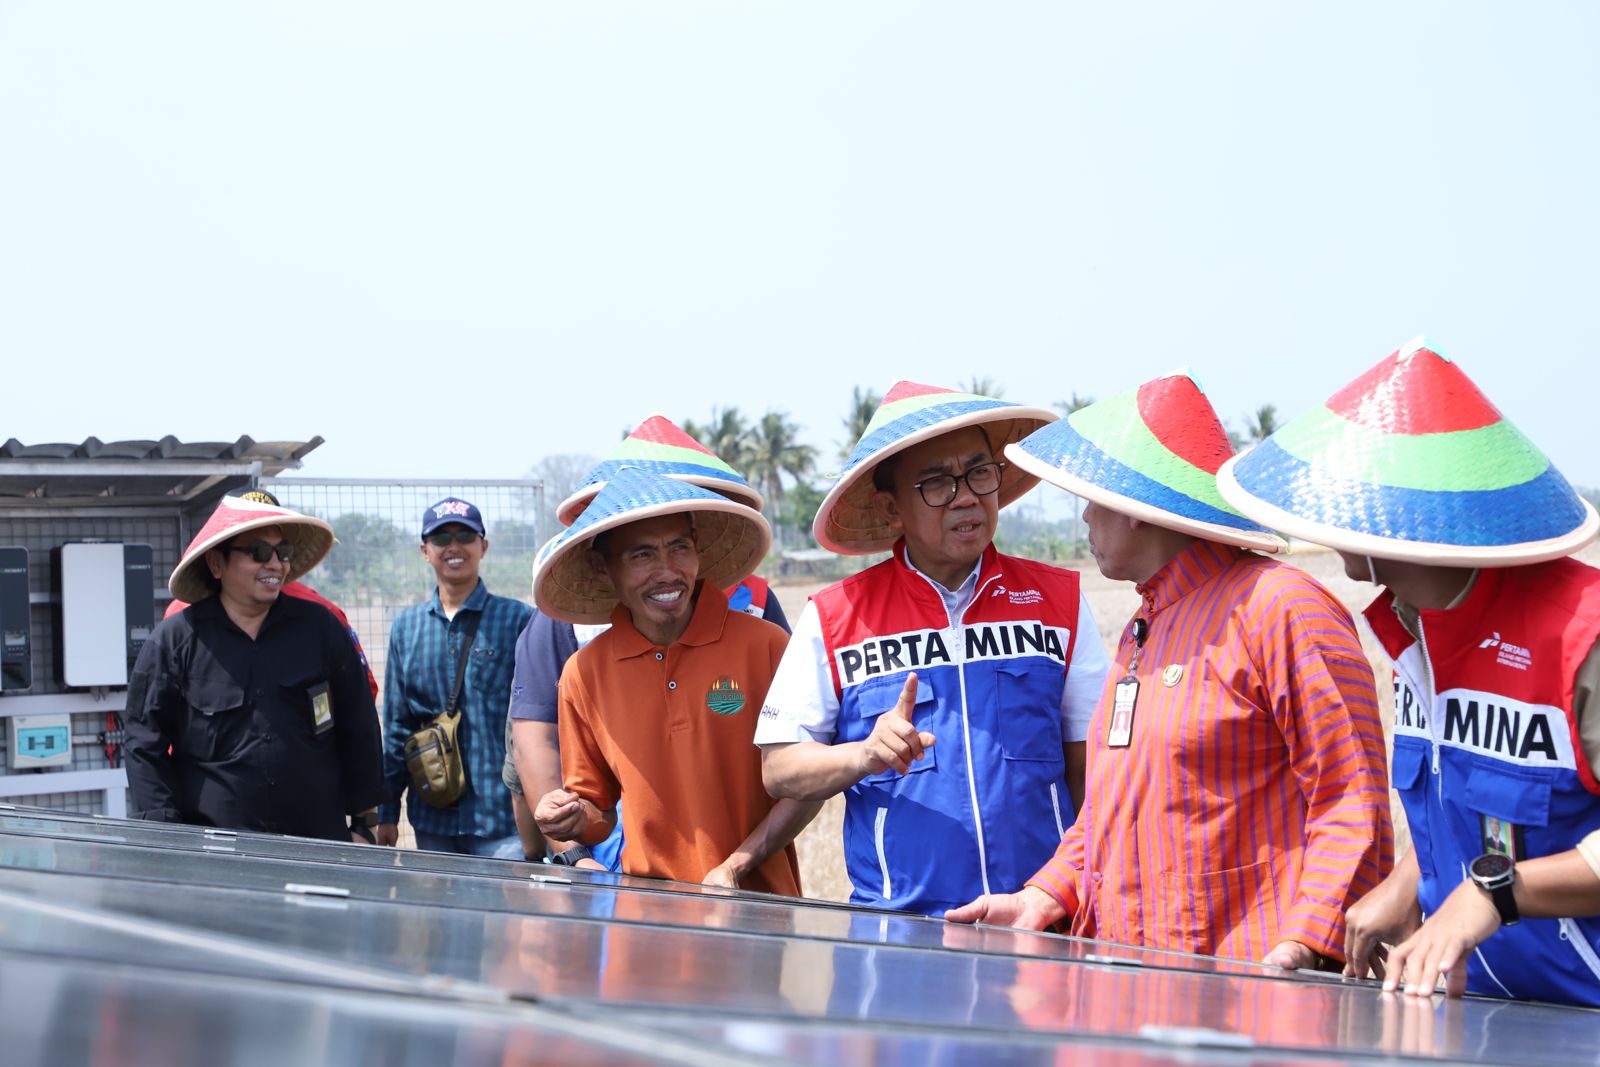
[
  {"x": 261, "y": 551},
  {"x": 443, "y": 538}
]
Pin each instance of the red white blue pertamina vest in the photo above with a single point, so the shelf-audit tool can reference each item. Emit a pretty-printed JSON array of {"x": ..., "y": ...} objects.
[
  {"x": 1487, "y": 756},
  {"x": 988, "y": 804}
]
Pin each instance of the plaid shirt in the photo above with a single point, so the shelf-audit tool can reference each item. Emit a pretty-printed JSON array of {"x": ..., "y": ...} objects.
[{"x": 424, "y": 648}]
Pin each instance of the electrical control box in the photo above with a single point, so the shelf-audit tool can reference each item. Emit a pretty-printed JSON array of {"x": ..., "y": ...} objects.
[
  {"x": 39, "y": 741},
  {"x": 105, "y": 611},
  {"x": 16, "y": 627}
]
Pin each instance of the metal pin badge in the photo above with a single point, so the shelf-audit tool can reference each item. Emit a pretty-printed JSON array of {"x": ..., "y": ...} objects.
[{"x": 1171, "y": 674}]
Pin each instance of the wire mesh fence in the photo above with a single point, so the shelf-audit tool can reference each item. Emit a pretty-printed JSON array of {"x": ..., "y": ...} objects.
[{"x": 377, "y": 569}]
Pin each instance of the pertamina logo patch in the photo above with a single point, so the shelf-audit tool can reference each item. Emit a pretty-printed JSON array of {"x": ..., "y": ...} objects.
[
  {"x": 725, "y": 697},
  {"x": 1019, "y": 596},
  {"x": 1506, "y": 653}
]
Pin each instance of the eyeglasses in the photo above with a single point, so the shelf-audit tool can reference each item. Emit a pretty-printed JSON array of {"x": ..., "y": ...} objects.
[
  {"x": 443, "y": 538},
  {"x": 940, "y": 491},
  {"x": 261, "y": 551}
]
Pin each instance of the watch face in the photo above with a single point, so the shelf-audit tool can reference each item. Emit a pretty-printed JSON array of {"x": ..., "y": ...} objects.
[{"x": 1491, "y": 865}]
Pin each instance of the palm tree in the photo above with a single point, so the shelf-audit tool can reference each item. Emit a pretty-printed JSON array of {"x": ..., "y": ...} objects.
[
  {"x": 1073, "y": 403},
  {"x": 1262, "y": 424},
  {"x": 726, "y": 435},
  {"x": 773, "y": 449},
  {"x": 863, "y": 405},
  {"x": 984, "y": 386}
]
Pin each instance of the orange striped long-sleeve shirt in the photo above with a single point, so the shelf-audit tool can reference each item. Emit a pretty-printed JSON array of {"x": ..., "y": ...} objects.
[{"x": 1251, "y": 806}]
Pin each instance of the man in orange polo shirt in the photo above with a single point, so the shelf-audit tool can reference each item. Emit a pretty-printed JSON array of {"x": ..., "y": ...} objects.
[{"x": 661, "y": 708}]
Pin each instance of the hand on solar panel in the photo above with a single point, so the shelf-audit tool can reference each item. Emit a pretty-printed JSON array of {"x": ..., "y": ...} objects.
[
  {"x": 1031, "y": 909},
  {"x": 721, "y": 875},
  {"x": 1443, "y": 945},
  {"x": 1386, "y": 916},
  {"x": 895, "y": 741},
  {"x": 1291, "y": 956}
]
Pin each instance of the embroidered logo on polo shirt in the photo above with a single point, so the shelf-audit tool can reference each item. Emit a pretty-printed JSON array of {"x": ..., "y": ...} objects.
[{"x": 725, "y": 697}]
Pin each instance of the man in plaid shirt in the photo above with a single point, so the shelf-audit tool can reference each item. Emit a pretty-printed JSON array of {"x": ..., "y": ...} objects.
[{"x": 424, "y": 651}]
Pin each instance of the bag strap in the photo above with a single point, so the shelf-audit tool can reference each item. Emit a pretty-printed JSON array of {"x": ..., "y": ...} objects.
[{"x": 470, "y": 626}]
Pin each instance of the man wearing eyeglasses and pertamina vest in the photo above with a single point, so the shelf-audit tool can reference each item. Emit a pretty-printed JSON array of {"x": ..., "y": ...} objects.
[
  {"x": 250, "y": 710},
  {"x": 461, "y": 624},
  {"x": 947, "y": 690}
]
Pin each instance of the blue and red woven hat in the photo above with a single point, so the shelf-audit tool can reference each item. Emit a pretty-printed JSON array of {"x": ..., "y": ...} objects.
[
  {"x": 1411, "y": 462},
  {"x": 659, "y": 446},
  {"x": 1151, "y": 453},
  {"x": 733, "y": 539},
  {"x": 849, "y": 523}
]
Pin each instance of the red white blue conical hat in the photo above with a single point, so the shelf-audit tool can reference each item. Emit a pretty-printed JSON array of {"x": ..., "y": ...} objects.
[
  {"x": 1411, "y": 462},
  {"x": 1152, "y": 453},
  {"x": 732, "y": 538},
  {"x": 658, "y": 445},
  {"x": 849, "y": 523}
]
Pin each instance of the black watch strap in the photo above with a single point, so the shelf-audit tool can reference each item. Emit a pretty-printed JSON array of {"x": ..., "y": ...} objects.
[
  {"x": 362, "y": 830},
  {"x": 571, "y": 856}
]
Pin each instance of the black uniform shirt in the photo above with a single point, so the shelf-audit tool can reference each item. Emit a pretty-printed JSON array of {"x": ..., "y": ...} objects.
[{"x": 237, "y": 716}]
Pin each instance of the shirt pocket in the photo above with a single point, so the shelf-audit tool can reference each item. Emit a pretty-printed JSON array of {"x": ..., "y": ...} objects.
[
  {"x": 878, "y": 695},
  {"x": 488, "y": 671},
  {"x": 1028, "y": 711},
  {"x": 1518, "y": 795},
  {"x": 296, "y": 696},
  {"x": 1409, "y": 776},
  {"x": 219, "y": 721}
]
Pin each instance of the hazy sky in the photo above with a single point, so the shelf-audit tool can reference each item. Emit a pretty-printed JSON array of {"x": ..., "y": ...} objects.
[{"x": 452, "y": 239}]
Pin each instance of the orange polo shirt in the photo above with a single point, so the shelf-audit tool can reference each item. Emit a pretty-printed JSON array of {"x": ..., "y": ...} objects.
[{"x": 673, "y": 730}]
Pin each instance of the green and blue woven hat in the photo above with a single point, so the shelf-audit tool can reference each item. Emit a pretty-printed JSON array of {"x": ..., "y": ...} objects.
[
  {"x": 658, "y": 445},
  {"x": 1412, "y": 462},
  {"x": 849, "y": 523},
  {"x": 733, "y": 539},
  {"x": 1151, "y": 453}
]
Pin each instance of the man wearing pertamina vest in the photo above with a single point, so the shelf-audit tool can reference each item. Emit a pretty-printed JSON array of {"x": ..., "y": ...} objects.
[
  {"x": 1424, "y": 488},
  {"x": 946, "y": 690}
]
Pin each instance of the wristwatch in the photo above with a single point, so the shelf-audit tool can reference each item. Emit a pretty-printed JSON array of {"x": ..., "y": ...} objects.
[
  {"x": 571, "y": 856},
  {"x": 361, "y": 825},
  {"x": 1496, "y": 874}
]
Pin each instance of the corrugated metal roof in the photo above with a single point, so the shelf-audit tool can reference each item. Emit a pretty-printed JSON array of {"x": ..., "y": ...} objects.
[{"x": 165, "y": 471}]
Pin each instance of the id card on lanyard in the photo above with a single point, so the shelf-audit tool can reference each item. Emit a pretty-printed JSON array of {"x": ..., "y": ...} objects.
[{"x": 1119, "y": 732}]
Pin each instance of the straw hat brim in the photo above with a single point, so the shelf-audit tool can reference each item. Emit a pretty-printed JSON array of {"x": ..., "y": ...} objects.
[
  {"x": 849, "y": 523},
  {"x": 568, "y": 510},
  {"x": 732, "y": 539},
  {"x": 311, "y": 537},
  {"x": 1139, "y": 509},
  {"x": 1397, "y": 548}
]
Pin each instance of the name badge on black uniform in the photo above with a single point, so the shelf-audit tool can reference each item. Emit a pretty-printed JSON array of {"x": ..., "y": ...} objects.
[{"x": 321, "y": 708}]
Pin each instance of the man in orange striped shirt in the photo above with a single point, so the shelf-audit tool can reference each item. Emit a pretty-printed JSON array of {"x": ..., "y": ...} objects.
[{"x": 1237, "y": 795}]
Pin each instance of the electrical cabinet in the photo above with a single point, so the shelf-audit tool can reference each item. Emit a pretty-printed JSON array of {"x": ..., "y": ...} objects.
[{"x": 16, "y": 625}]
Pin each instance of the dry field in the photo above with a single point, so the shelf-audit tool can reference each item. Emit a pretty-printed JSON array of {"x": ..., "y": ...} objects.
[{"x": 821, "y": 847}]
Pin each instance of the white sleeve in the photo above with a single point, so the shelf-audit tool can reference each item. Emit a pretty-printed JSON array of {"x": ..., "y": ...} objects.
[
  {"x": 1086, "y": 676},
  {"x": 801, "y": 704}
]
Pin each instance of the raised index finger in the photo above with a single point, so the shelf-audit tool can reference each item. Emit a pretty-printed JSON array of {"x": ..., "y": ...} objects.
[{"x": 908, "y": 698}]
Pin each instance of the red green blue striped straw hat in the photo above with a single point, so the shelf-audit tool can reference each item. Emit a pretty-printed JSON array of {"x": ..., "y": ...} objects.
[
  {"x": 658, "y": 445},
  {"x": 1412, "y": 462},
  {"x": 1152, "y": 453},
  {"x": 849, "y": 523},
  {"x": 733, "y": 538}
]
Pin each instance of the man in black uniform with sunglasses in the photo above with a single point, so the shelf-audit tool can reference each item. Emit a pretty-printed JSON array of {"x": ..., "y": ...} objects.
[{"x": 250, "y": 710}]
